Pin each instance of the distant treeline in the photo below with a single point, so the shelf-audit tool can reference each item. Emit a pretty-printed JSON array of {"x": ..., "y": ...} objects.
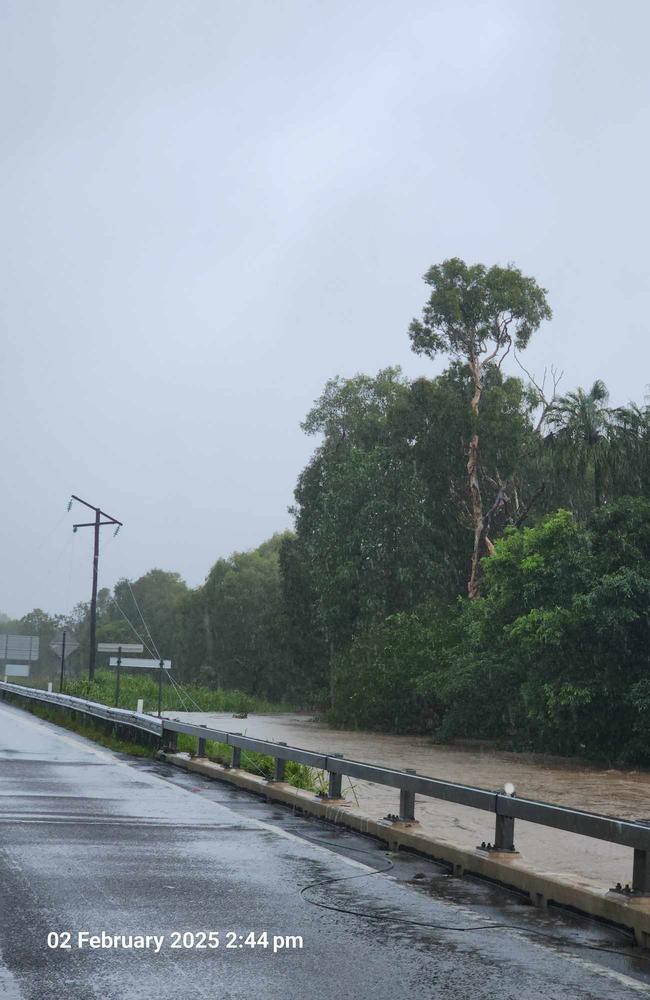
[{"x": 469, "y": 558}]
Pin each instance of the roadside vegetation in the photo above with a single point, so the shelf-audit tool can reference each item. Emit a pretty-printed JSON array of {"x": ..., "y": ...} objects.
[
  {"x": 298, "y": 775},
  {"x": 90, "y": 730},
  {"x": 189, "y": 697},
  {"x": 468, "y": 557}
]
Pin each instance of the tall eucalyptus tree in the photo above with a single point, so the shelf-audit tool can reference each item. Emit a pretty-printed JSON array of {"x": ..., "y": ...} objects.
[{"x": 476, "y": 315}]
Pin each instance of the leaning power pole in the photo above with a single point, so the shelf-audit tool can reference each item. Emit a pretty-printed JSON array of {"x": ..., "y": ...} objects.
[{"x": 96, "y": 524}]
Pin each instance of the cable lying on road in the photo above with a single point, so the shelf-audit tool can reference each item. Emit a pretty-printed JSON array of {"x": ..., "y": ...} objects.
[{"x": 369, "y": 915}]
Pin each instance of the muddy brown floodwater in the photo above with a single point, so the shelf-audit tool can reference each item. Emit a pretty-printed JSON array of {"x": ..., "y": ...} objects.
[{"x": 593, "y": 863}]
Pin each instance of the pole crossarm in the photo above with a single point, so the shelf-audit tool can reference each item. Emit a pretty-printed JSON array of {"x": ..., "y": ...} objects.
[
  {"x": 91, "y": 524},
  {"x": 90, "y": 506}
]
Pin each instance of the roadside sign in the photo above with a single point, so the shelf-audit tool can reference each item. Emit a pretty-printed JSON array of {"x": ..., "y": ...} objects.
[
  {"x": 70, "y": 645},
  {"x": 17, "y": 670},
  {"x": 19, "y": 647},
  {"x": 147, "y": 664},
  {"x": 115, "y": 647}
]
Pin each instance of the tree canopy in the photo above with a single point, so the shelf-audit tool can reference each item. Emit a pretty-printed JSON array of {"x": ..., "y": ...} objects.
[{"x": 469, "y": 554}]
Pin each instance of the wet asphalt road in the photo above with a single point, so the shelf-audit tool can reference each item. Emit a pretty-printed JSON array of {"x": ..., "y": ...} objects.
[{"x": 91, "y": 841}]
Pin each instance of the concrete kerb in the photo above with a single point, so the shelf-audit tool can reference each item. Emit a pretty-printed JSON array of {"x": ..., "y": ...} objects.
[{"x": 506, "y": 869}]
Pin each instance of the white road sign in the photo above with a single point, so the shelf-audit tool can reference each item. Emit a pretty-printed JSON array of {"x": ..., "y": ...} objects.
[
  {"x": 115, "y": 647},
  {"x": 147, "y": 664},
  {"x": 19, "y": 647},
  {"x": 17, "y": 670},
  {"x": 70, "y": 645}
]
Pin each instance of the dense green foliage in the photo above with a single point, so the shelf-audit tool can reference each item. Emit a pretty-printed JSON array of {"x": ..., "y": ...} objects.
[
  {"x": 555, "y": 655},
  {"x": 361, "y": 610},
  {"x": 185, "y": 697}
]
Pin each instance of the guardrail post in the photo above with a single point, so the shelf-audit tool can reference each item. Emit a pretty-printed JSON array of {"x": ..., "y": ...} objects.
[
  {"x": 279, "y": 766},
  {"x": 504, "y": 831},
  {"x": 170, "y": 740},
  {"x": 335, "y": 778},
  {"x": 117, "y": 677},
  {"x": 200, "y": 749},
  {"x": 641, "y": 872},
  {"x": 236, "y": 757},
  {"x": 407, "y": 801}
]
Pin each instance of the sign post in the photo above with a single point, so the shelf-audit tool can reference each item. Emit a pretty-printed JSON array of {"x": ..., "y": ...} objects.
[
  {"x": 119, "y": 648},
  {"x": 120, "y": 661},
  {"x": 63, "y": 648},
  {"x": 62, "y": 661}
]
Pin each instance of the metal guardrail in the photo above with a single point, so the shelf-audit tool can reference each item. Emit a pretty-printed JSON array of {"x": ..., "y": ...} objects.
[
  {"x": 117, "y": 715},
  {"x": 506, "y": 807}
]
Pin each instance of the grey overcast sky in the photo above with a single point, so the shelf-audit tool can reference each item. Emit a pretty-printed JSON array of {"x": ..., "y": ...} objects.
[{"x": 209, "y": 207}]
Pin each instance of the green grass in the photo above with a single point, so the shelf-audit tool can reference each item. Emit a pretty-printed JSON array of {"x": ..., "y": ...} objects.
[
  {"x": 194, "y": 698},
  {"x": 298, "y": 775}
]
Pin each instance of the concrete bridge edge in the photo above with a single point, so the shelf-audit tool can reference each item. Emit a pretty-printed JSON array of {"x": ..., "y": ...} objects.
[{"x": 506, "y": 869}]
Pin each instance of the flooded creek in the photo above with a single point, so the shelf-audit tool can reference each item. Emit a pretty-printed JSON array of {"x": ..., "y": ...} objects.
[{"x": 625, "y": 794}]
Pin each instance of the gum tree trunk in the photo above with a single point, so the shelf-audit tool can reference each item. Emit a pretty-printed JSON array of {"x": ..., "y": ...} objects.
[{"x": 476, "y": 501}]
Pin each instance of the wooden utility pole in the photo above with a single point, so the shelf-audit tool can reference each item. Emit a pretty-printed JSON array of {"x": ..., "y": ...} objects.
[{"x": 96, "y": 524}]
